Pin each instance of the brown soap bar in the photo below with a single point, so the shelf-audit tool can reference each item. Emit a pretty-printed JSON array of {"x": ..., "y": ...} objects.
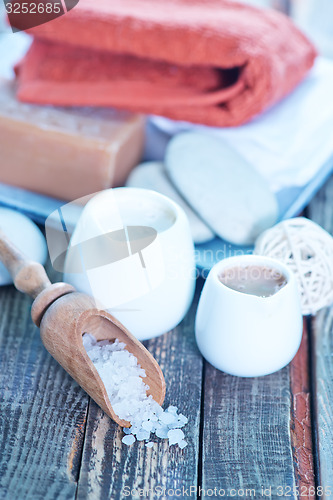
[{"x": 66, "y": 152}]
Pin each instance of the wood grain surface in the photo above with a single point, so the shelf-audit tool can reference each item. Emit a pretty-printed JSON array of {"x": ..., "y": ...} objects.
[
  {"x": 42, "y": 411},
  {"x": 110, "y": 469},
  {"x": 246, "y": 436},
  {"x": 56, "y": 443},
  {"x": 321, "y": 211},
  {"x": 301, "y": 430},
  {"x": 241, "y": 432}
]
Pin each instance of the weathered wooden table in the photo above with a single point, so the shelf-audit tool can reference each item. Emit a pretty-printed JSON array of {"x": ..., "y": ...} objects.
[{"x": 269, "y": 437}]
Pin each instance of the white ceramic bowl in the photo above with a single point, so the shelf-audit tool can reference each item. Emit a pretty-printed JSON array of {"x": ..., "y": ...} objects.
[
  {"x": 244, "y": 334},
  {"x": 139, "y": 263}
]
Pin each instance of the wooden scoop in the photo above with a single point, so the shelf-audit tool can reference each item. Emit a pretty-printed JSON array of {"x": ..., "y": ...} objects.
[{"x": 63, "y": 316}]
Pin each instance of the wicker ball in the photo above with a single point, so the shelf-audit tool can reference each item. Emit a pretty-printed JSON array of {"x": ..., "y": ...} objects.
[{"x": 307, "y": 250}]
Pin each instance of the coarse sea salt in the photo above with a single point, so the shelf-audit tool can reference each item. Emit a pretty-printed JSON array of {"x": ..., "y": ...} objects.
[{"x": 122, "y": 377}]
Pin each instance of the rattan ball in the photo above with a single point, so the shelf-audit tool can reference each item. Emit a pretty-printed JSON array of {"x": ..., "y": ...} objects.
[{"x": 307, "y": 249}]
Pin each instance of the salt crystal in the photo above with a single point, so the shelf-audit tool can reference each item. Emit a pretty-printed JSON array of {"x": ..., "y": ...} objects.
[
  {"x": 123, "y": 380},
  {"x": 147, "y": 425},
  {"x": 103, "y": 343},
  {"x": 159, "y": 411},
  {"x": 176, "y": 425},
  {"x": 168, "y": 418},
  {"x": 172, "y": 409},
  {"x": 162, "y": 432},
  {"x": 134, "y": 430},
  {"x": 88, "y": 340},
  {"x": 182, "y": 444},
  {"x": 175, "y": 436},
  {"x": 128, "y": 440},
  {"x": 142, "y": 435},
  {"x": 182, "y": 419}
]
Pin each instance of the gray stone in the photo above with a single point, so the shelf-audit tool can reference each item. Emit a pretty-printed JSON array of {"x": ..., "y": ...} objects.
[
  {"x": 221, "y": 186},
  {"x": 25, "y": 235},
  {"x": 151, "y": 175}
]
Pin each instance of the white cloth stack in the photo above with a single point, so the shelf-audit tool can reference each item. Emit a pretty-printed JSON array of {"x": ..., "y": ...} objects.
[{"x": 289, "y": 143}]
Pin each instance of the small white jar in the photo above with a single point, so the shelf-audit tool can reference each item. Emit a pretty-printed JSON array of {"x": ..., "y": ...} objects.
[
  {"x": 139, "y": 263},
  {"x": 247, "y": 335}
]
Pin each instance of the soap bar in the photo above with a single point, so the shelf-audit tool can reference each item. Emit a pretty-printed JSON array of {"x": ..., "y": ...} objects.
[{"x": 66, "y": 152}]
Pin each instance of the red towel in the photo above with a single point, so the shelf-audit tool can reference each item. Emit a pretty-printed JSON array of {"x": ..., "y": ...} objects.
[{"x": 214, "y": 62}]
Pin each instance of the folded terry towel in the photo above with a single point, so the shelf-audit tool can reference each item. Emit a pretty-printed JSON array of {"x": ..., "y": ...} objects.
[{"x": 215, "y": 62}]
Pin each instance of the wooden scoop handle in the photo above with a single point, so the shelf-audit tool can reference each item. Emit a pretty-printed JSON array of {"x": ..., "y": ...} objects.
[{"x": 28, "y": 277}]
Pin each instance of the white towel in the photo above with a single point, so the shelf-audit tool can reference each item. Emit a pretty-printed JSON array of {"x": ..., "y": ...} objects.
[{"x": 289, "y": 143}]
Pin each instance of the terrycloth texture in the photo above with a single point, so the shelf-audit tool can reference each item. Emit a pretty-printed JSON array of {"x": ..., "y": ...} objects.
[{"x": 214, "y": 62}]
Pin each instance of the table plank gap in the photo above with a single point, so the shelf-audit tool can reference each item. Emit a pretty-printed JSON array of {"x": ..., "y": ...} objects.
[
  {"x": 321, "y": 211},
  {"x": 80, "y": 454},
  {"x": 313, "y": 399},
  {"x": 201, "y": 429}
]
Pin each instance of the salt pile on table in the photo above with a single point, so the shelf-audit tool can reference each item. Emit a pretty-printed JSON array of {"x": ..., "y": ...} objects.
[{"x": 123, "y": 381}]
